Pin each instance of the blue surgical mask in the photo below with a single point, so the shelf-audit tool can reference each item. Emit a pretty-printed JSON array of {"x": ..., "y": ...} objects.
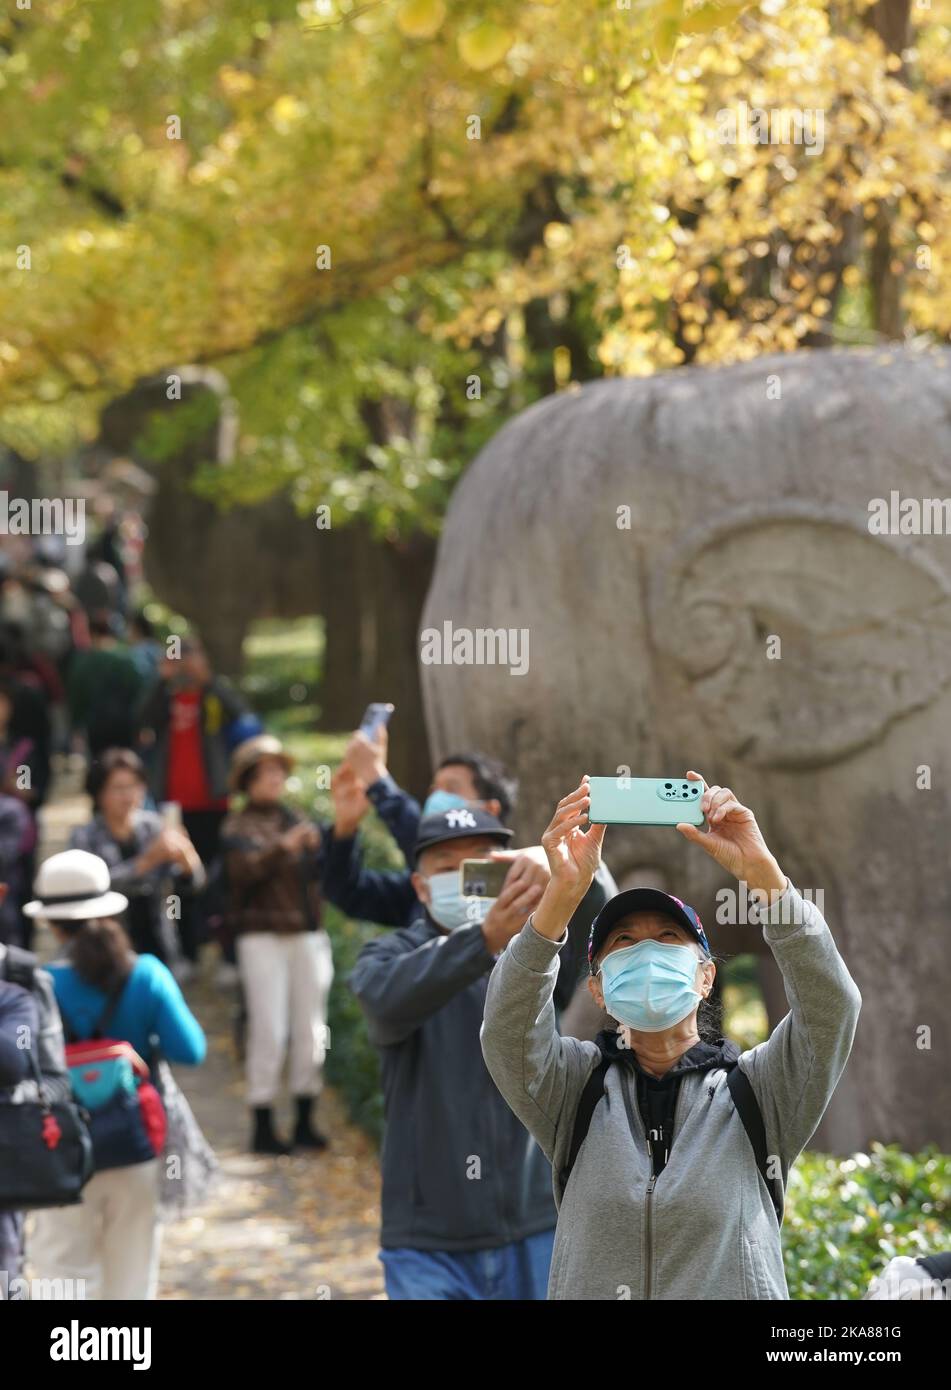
[
  {"x": 447, "y": 905},
  {"x": 650, "y": 986},
  {"x": 439, "y": 801}
]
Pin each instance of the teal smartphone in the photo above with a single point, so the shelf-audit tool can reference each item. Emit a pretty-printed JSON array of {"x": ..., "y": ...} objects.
[{"x": 644, "y": 801}]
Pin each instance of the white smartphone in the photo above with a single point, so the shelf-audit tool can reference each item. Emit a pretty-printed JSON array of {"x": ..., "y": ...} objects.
[{"x": 171, "y": 813}]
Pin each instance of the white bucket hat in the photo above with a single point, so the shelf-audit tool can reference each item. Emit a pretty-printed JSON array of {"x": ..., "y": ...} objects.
[{"x": 74, "y": 887}]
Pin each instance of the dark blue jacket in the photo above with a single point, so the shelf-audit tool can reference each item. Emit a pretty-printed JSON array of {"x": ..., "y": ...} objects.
[
  {"x": 398, "y": 811},
  {"x": 459, "y": 1170},
  {"x": 384, "y": 896}
]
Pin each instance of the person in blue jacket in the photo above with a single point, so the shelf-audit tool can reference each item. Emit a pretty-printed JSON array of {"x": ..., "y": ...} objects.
[{"x": 111, "y": 1240}]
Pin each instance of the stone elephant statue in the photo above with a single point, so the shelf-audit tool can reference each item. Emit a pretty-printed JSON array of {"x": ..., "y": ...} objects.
[{"x": 692, "y": 562}]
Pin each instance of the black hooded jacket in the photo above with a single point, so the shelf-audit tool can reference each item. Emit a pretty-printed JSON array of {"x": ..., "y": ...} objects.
[{"x": 657, "y": 1096}]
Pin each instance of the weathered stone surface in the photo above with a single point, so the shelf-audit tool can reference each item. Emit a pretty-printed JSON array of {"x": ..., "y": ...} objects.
[{"x": 649, "y": 649}]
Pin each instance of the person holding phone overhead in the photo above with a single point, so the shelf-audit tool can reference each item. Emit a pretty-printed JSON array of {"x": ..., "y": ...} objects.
[
  {"x": 467, "y": 1204},
  {"x": 670, "y": 1147},
  {"x": 469, "y": 779}
]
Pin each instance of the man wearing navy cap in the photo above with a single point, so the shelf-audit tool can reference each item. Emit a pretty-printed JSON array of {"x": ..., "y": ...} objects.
[
  {"x": 387, "y": 896},
  {"x": 468, "y": 1211}
]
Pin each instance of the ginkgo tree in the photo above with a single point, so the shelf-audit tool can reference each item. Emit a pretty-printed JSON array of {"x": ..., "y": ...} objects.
[{"x": 392, "y": 224}]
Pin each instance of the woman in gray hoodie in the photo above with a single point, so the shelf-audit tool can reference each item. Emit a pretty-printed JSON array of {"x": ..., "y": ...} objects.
[{"x": 670, "y": 1150}]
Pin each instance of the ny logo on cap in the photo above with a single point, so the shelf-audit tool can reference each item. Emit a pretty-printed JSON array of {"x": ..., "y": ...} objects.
[{"x": 460, "y": 817}]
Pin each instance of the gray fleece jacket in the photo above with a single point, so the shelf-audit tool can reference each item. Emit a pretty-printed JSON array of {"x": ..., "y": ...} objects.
[{"x": 704, "y": 1228}]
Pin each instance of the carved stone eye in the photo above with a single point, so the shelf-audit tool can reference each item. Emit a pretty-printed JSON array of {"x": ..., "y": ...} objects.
[{"x": 803, "y": 638}]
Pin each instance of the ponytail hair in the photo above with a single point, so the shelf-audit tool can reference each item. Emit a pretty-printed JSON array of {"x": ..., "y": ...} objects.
[{"x": 101, "y": 954}]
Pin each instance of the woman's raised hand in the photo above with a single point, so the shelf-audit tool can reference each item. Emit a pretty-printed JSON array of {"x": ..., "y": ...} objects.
[
  {"x": 734, "y": 839},
  {"x": 573, "y": 853},
  {"x": 350, "y": 801}
]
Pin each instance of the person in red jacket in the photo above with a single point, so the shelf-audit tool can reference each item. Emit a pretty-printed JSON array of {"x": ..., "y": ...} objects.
[{"x": 184, "y": 723}]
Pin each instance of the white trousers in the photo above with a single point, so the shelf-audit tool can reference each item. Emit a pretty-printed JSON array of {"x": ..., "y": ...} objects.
[
  {"x": 111, "y": 1240},
  {"x": 286, "y": 986}
]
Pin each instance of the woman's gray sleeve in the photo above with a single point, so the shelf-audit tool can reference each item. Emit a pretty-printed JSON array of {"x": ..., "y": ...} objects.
[
  {"x": 795, "y": 1072},
  {"x": 540, "y": 1074}
]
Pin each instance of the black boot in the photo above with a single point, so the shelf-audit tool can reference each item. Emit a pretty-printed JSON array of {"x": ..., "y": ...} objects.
[
  {"x": 305, "y": 1134},
  {"x": 264, "y": 1140}
]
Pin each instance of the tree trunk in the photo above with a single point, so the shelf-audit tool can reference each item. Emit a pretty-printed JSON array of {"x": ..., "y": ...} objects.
[
  {"x": 890, "y": 20},
  {"x": 342, "y": 563},
  {"x": 222, "y": 570},
  {"x": 401, "y": 574},
  {"x": 892, "y": 23},
  {"x": 371, "y": 606}
]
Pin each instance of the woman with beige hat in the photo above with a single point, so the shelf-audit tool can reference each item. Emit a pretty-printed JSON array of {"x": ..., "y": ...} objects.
[{"x": 272, "y": 865}]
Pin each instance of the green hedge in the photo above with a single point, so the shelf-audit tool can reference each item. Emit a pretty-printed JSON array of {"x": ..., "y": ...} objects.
[
  {"x": 847, "y": 1217},
  {"x": 353, "y": 1065}
]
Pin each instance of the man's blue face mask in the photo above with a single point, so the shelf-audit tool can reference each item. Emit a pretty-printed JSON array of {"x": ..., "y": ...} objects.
[
  {"x": 650, "y": 986},
  {"x": 448, "y": 907},
  {"x": 439, "y": 801}
]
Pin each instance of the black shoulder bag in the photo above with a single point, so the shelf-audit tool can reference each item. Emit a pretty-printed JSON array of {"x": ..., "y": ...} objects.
[{"x": 45, "y": 1148}]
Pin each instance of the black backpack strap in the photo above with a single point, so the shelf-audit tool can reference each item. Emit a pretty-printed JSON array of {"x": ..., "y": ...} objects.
[
  {"x": 749, "y": 1112},
  {"x": 592, "y": 1093},
  {"x": 112, "y": 1003},
  {"x": 104, "y": 1019},
  {"x": 938, "y": 1266},
  {"x": 20, "y": 967}
]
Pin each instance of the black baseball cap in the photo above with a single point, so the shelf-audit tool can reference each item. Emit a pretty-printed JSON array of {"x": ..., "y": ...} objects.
[
  {"x": 458, "y": 823},
  {"x": 643, "y": 900}
]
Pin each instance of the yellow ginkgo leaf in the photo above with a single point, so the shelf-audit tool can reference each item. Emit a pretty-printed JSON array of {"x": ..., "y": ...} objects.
[
  {"x": 666, "y": 9},
  {"x": 235, "y": 82},
  {"x": 709, "y": 17},
  {"x": 665, "y": 40},
  {"x": 485, "y": 45},
  {"x": 421, "y": 19}
]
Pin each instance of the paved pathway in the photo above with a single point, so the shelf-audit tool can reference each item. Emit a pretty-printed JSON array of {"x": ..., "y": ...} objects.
[{"x": 302, "y": 1227}]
